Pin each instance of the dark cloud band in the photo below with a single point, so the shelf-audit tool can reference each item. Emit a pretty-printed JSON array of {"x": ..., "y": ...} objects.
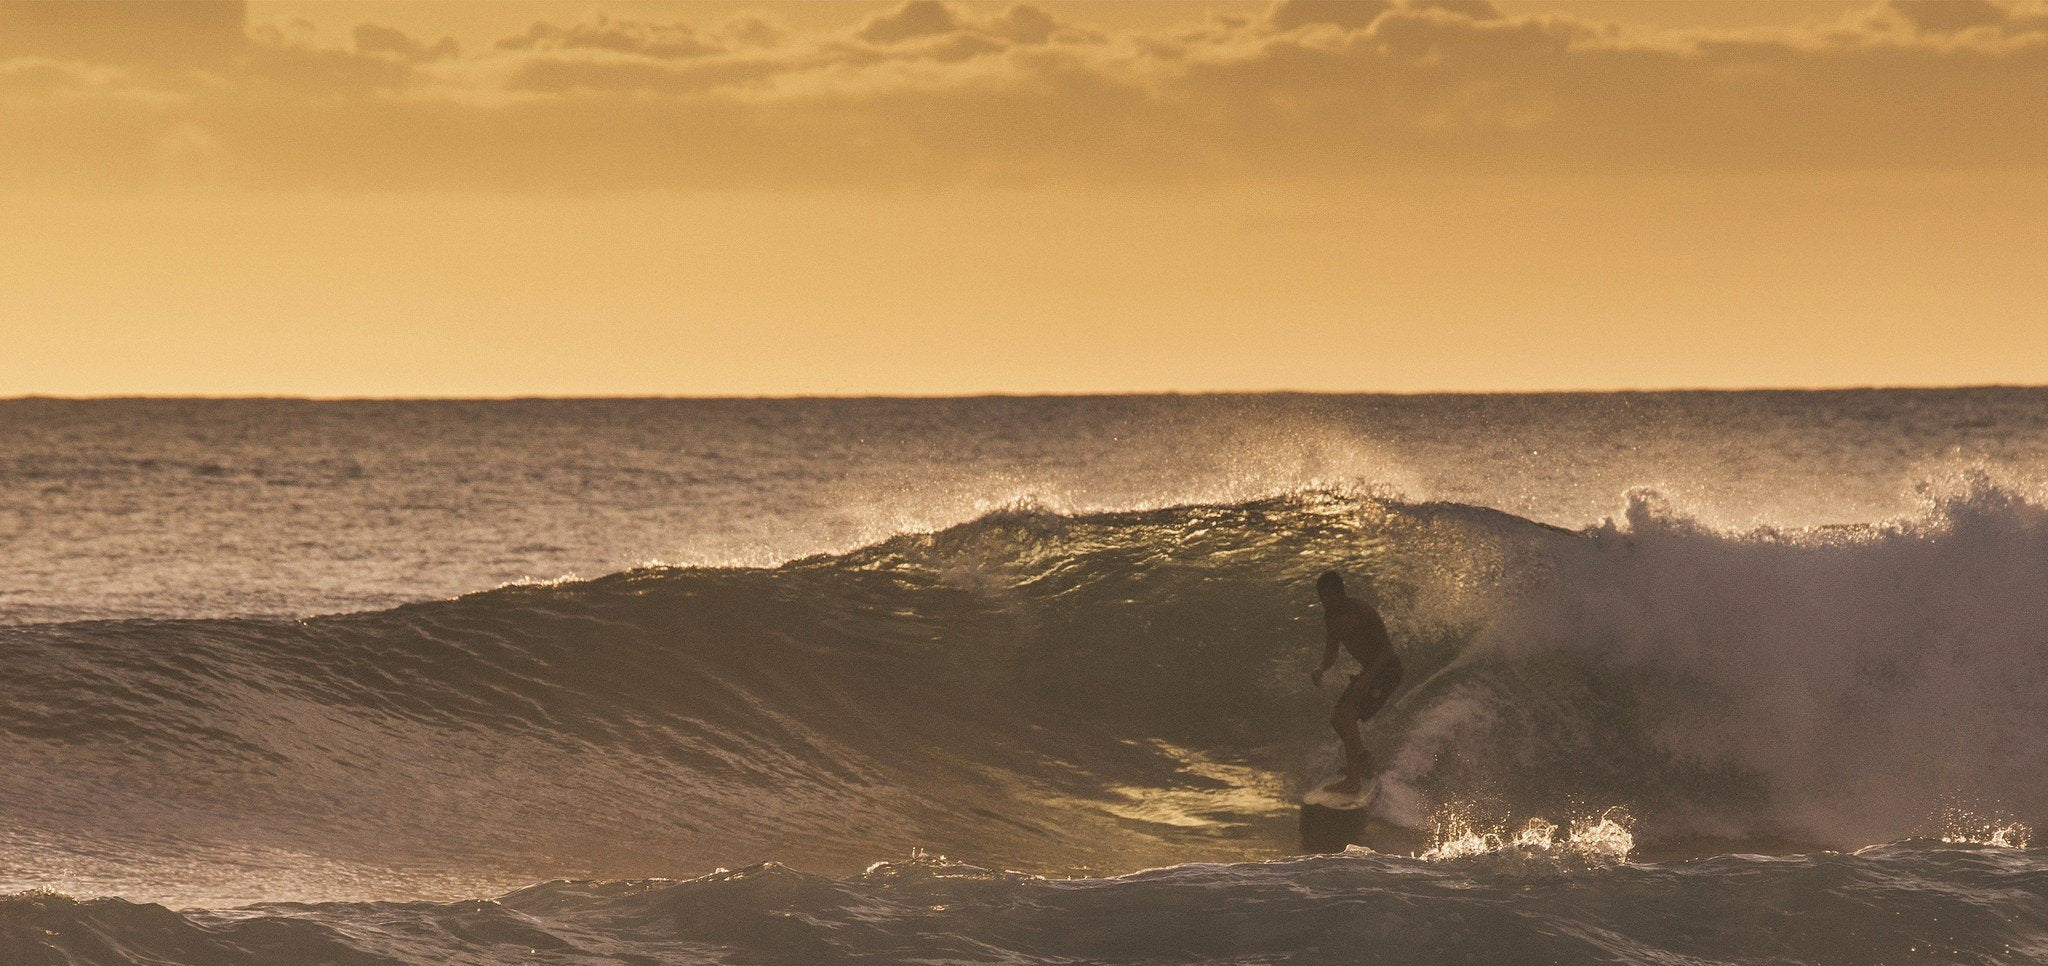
[{"x": 137, "y": 93}]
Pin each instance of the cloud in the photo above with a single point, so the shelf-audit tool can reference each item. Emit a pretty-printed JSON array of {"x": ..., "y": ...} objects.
[
  {"x": 123, "y": 31},
  {"x": 1025, "y": 24},
  {"x": 377, "y": 40},
  {"x": 750, "y": 30},
  {"x": 1951, "y": 15},
  {"x": 929, "y": 94},
  {"x": 918, "y": 18},
  {"x": 928, "y": 19},
  {"x": 663, "y": 41},
  {"x": 1360, "y": 14},
  {"x": 1471, "y": 9},
  {"x": 1348, "y": 14}
]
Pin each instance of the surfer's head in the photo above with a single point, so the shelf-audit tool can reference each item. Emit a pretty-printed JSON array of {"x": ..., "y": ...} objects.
[{"x": 1330, "y": 585}]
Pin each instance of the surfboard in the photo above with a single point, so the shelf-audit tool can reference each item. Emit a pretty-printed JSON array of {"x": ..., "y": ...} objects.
[
  {"x": 1332, "y": 821},
  {"x": 1325, "y": 798}
]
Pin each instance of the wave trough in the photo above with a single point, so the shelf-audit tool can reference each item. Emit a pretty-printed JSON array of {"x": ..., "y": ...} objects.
[{"x": 1907, "y": 903}]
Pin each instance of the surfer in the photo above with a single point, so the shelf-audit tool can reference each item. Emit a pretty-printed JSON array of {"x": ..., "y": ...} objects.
[{"x": 1356, "y": 627}]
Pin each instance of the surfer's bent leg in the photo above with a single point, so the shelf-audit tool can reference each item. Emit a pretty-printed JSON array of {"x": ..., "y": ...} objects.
[
  {"x": 1344, "y": 720},
  {"x": 1361, "y": 700}
]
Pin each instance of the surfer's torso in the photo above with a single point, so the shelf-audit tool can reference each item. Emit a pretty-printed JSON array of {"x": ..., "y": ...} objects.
[{"x": 1359, "y": 628}]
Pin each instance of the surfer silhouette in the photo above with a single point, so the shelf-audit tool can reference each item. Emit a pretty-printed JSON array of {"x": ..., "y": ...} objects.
[{"x": 1355, "y": 626}]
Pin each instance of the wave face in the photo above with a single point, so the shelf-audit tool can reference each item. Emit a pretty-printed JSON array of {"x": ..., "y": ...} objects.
[
  {"x": 1071, "y": 694},
  {"x": 1908, "y": 903}
]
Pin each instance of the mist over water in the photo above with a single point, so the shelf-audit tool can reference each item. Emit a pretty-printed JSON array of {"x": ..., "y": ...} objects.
[
  {"x": 209, "y": 508},
  {"x": 1065, "y": 637}
]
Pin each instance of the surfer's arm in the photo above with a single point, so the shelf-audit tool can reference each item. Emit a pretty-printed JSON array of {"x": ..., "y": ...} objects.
[{"x": 1331, "y": 647}]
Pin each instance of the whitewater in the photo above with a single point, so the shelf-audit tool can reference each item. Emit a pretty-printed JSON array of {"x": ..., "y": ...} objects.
[{"x": 1701, "y": 677}]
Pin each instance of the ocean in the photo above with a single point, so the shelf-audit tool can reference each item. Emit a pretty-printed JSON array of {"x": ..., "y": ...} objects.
[{"x": 1693, "y": 677}]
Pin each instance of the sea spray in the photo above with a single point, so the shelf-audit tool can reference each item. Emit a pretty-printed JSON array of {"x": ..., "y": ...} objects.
[{"x": 1051, "y": 692}]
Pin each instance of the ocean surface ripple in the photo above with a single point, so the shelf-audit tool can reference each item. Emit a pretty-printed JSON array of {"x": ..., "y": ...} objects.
[
  {"x": 1908, "y": 903},
  {"x": 1655, "y": 737}
]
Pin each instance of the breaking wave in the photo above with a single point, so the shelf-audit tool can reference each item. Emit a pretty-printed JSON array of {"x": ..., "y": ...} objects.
[{"x": 1059, "y": 693}]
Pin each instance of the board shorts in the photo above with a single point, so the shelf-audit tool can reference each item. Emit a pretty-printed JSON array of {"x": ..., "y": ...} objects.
[{"x": 1368, "y": 697}]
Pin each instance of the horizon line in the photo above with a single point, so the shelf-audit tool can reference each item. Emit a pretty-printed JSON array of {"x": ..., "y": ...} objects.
[{"x": 996, "y": 394}]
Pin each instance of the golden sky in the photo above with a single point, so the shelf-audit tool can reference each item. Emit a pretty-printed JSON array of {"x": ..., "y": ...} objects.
[{"x": 370, "y": 197}]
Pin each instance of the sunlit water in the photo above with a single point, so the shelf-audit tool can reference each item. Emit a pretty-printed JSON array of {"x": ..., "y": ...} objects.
[{"x": 1680, "y": 667}]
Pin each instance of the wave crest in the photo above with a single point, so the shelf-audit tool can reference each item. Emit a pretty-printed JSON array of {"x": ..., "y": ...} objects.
[{"x": 1072, "y": 693}]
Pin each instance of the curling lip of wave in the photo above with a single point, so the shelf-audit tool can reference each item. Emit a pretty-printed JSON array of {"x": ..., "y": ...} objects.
[{"x": 1033, "y": 689}]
